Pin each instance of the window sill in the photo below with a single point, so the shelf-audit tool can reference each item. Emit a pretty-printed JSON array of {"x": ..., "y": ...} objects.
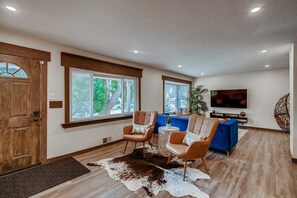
[{"x": 89, "y": 122}]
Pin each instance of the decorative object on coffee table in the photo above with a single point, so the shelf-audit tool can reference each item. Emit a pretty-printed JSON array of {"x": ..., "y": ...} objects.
[
  {"x": 282, "y": 113},
  {"x": 163, "y": 136},
  {"x": 168, "y": 122}
]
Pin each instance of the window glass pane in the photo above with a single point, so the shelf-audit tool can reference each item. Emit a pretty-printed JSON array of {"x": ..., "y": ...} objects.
[
  {"x": 170, "y": 98},
  {"x": 107, "y": 94},
  {"x": 81, "y": 96},
  {"x": 12, "y": 68},
  {"x": 2, "y": 67},
  {"x": 6, "y": 75},
  {"x": 21, "y": 74},
  {"x": 176, "y": 97},
  {"x": 129, "y": 95},
  {"x": 183, "y": 96}
]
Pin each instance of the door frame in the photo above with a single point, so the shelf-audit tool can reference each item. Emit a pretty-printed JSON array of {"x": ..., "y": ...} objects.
[{"x": 45, "y": 57}]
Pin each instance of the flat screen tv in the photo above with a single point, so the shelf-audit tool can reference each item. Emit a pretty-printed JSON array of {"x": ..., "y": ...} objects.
[{"x": 236, "y": 98}]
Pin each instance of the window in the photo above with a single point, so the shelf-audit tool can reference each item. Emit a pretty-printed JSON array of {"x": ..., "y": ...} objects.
[
  {"x": 98, "y": 91},
  {"x": 176, "y": 94},
  {"x": 11, "y": 70},
  {"x": 96, "y": 95}
]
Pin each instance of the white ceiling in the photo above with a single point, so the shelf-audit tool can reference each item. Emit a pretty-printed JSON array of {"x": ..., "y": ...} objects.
[{"x": 209, "y": 36}]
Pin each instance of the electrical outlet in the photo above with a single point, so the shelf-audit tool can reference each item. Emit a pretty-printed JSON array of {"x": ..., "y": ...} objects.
[{"x": 106, "y": 140}]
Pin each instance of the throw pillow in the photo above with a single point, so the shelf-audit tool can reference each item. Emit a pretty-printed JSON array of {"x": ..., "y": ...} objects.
[
  {"x": 140, "y": 129},
  {"x": 191, "y": 137}
]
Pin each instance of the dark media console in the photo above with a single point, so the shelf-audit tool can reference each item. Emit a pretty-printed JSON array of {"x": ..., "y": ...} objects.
[{"x": 227, "y": 116}]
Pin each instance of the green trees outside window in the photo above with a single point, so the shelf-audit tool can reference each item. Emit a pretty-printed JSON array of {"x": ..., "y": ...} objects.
[{"x": 95, "y": 95}]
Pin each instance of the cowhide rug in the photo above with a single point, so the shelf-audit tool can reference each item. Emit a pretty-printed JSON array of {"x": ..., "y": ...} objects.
[{"x": 153, "y": 174}]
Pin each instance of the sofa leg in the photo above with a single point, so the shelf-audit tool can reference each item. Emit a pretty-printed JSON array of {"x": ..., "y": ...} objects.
[
  {"x": 228, "y": 153},
  {"x": 135, "y": 145},
  {"x": 205, "y": 165},
  {"x": 126, "y": 147}
]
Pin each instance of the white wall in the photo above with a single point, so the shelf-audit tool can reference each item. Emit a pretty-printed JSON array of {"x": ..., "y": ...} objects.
[
  {"x": 62, "y": 141},
  {"x": 293, "y": 100},
  {"x": 264, "y": 88}
]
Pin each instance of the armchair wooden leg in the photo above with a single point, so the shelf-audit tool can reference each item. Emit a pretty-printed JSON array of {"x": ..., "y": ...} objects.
[
  {"x": 169, "y": 158},
  {"x": 185, "y": 169},
  {"x": 126, "y": 147},
  {"x": 135, "y": 145},
  {"x": 143, "y": 149},
  {"x": 205, "y": 165},
  {"x": 150, "y": 144}
]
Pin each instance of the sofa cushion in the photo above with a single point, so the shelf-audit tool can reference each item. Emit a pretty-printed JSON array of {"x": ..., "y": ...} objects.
[
  {"x": 140, "y": 129},
  {"x": 191, "y": 137},
  {"x": 176, "y": 149}
]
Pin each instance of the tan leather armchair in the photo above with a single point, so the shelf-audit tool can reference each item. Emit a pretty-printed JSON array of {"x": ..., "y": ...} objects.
[
  {"x": 199, "y": 125},
  {"x": 141, "y": 118}
]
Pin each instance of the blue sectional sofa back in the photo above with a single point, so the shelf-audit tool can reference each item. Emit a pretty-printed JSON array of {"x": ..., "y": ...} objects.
[
  {"x": 226, "y": 136},
  {"x": 177, "y": 121}
]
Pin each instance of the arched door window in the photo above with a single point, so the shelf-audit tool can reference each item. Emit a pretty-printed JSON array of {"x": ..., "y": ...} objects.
[{"x": 11, "y": 70}]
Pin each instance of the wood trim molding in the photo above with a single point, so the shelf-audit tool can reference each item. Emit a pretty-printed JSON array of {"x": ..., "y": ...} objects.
[
  {"x": 44, "y": 114},
  {"x": 88, "y": 122},
  {"x": 174, "y": 80},
  {"x": 67, "y": 93},
  {"x": 82, "y": 151},
  {"x": 139, "y": 94},
  {"x": 55, "y": 104},
  {"x": 259, "y": 128},
  {"x": 15, "y": 50},
  {"x": 81, "y": 62}
]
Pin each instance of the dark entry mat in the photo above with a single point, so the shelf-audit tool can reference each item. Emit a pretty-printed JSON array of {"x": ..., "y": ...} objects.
[{"x": 33, "y": 180}]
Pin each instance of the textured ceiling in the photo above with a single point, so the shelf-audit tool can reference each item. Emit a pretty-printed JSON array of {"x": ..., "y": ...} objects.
[{"x": 209, "y": 36}]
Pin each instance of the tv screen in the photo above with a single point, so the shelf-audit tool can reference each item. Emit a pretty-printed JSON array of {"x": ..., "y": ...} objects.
[{"x": 236, "y": 98}]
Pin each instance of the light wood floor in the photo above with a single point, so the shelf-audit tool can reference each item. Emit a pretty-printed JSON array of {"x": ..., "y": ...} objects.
[{"x": 260, "y": 166}]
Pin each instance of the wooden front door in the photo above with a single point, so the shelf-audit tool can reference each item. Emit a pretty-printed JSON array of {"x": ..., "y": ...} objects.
[{"x": 20, "y": 99}]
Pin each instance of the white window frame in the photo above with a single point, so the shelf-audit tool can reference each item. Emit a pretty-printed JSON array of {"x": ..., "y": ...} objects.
[
  {"x": 168, "y": 82},
  {"x": 103, "y": 75}
]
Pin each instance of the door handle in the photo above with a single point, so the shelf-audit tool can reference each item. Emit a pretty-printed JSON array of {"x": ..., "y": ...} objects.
[{"x": 36, "y": 115}]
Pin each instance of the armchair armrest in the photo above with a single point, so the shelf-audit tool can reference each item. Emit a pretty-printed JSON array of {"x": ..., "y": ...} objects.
[
  {"x": 176, "y": 137},
  {"x": 127, "y": 129},
  {"x": 197, "y": 149},
  {"x": 149, "y": 134}
]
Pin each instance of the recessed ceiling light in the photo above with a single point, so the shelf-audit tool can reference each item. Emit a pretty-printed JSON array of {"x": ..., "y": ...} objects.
[
  {"x": 254, "y": 10},
  {"x": 179, "y": 66},
  {"x": 11, "y": 8},
  {"x": 202, "y": 74},
  {"x": 135, "y": 51},
  {"x": 267, "y": 66},
  {"x": 263, "y": 51}
]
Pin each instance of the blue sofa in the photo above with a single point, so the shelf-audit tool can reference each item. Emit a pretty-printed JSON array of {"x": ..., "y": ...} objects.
[
  {"x": 226, "y": 136},
  {"x": 177, "y": 121}
]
